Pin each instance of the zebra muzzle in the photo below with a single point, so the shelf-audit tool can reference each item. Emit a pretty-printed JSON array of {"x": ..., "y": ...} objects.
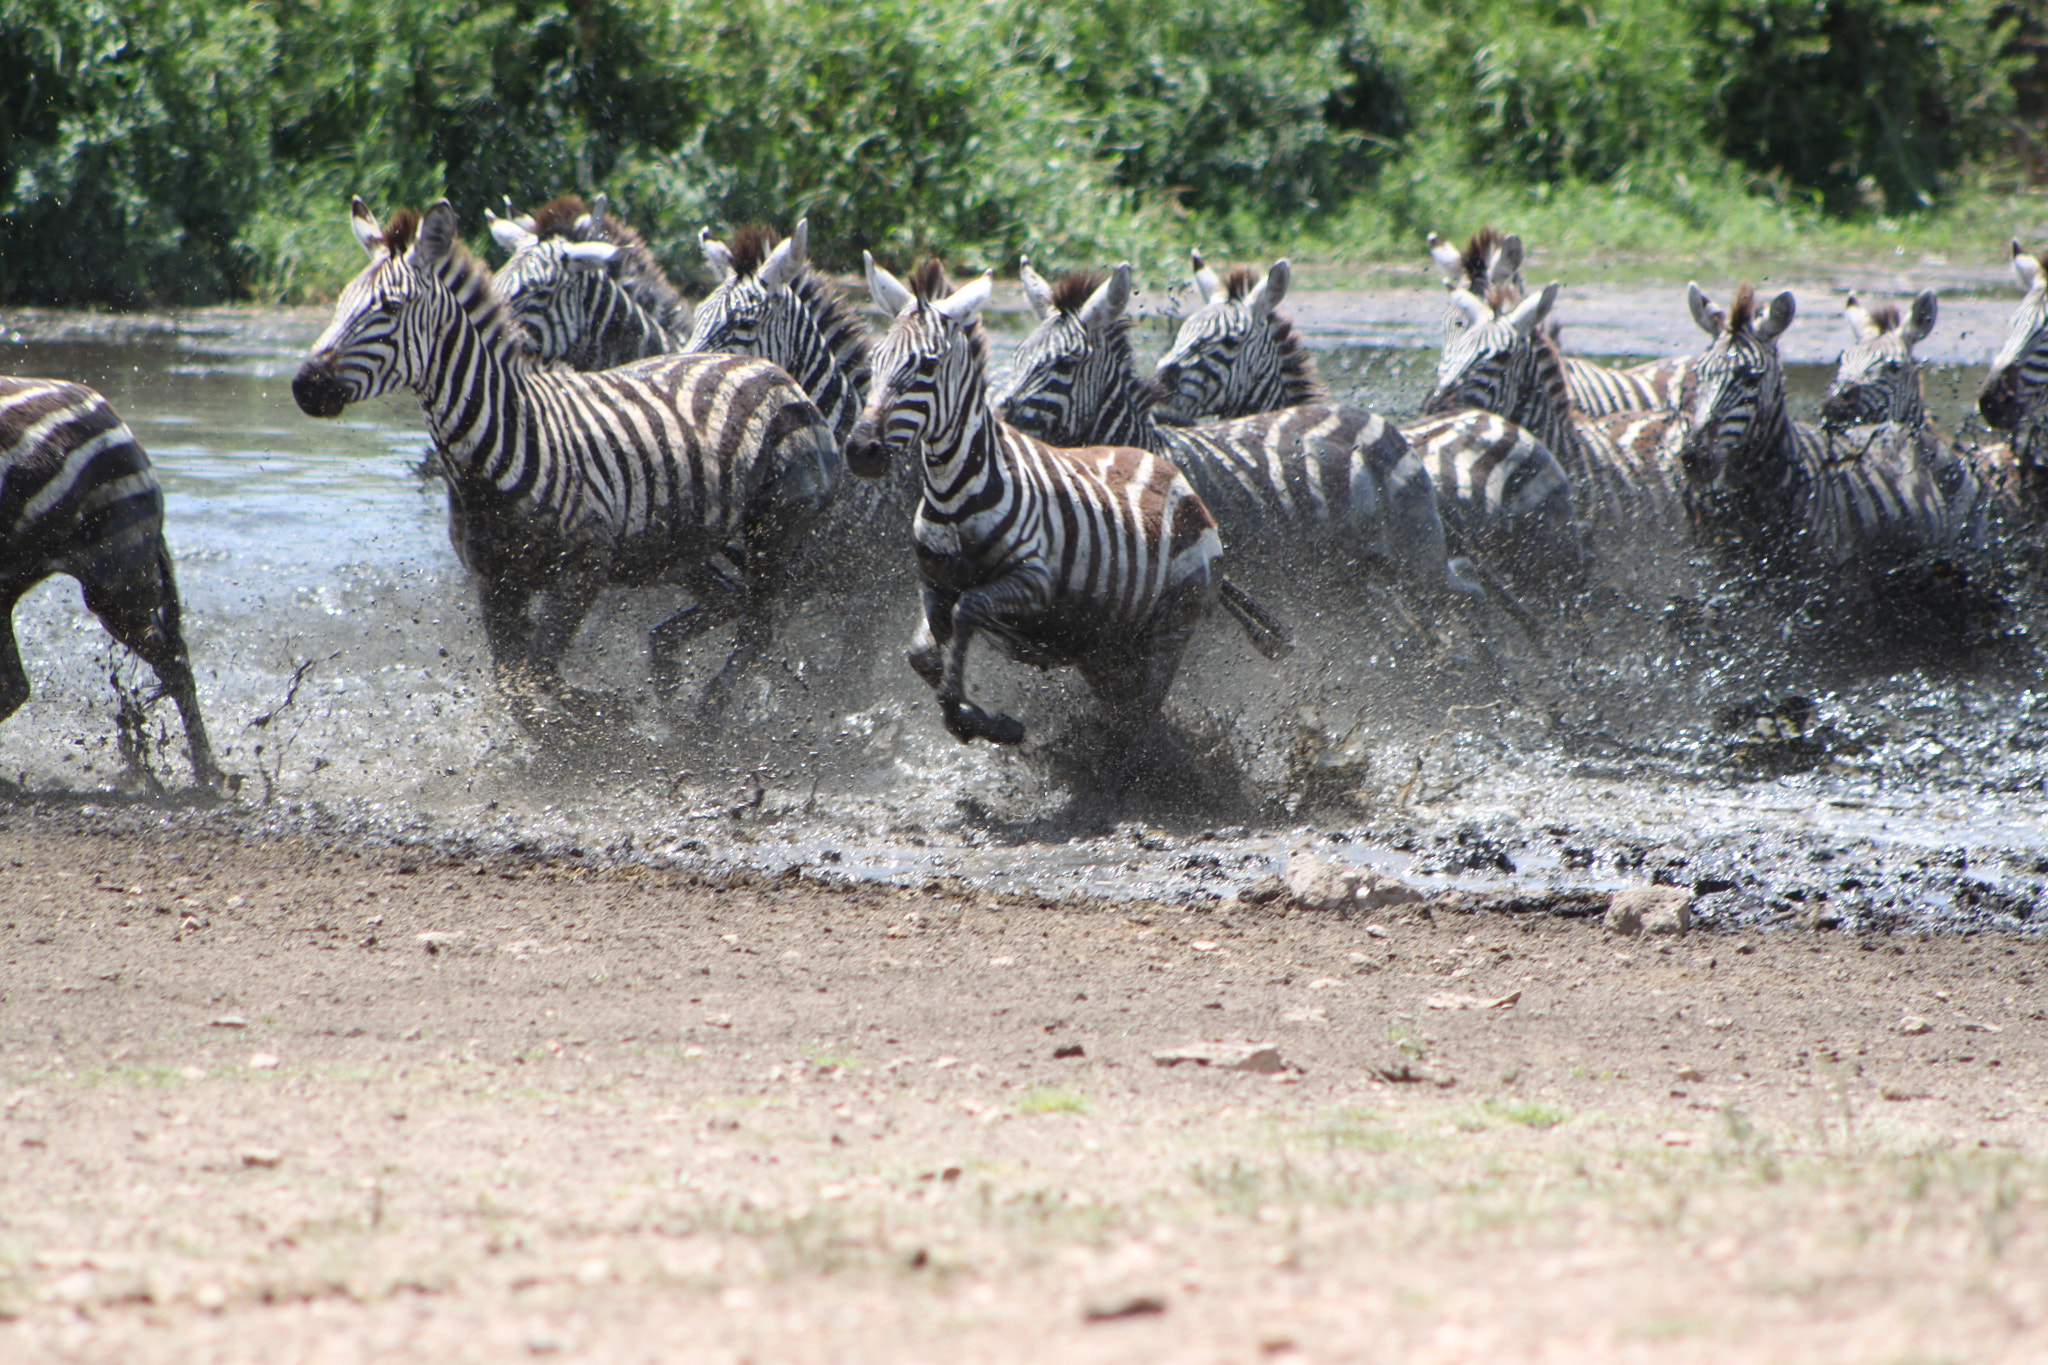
[
  {"x": 866, "y": 455},
  {"x": 318, "y": 390}
]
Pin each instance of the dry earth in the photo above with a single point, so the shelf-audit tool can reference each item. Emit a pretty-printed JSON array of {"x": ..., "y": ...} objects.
[{"x": 266, "y": 1100}]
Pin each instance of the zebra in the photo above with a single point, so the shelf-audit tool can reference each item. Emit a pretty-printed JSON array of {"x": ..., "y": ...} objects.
[
  {"x": 561, "y": 482},
  {"x": 1102, "y": 558},
  {"x": 1877, "y": 384},
  {"x": 2010, "y": 399},
  {"x": 1506, "y": 362},
  {"x": 1782, "y": 496},
  {"x": 78, "y": 497},
  {"x": 1502, "y": 494},
  {"x": 1491, "y": 260},
  {"x": 586, "y": 286},
  {"x": 1339, "y": 471}
]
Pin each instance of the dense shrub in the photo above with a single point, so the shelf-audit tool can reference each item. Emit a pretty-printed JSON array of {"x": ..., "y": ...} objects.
[{"x": 194, "y": 149}]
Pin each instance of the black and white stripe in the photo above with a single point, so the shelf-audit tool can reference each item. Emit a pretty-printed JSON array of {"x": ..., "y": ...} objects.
[
  {"x": 1501, "y": 493},
  {"x": 704, "y": 468},
  {"x": 78, "y": 497},
  {"x": 1506, "y": 363},
  {"x": 1102, "y": 558},
  {"x": 586, "y": 287},
  {"x": 2010, "y": 399},
  {"x": 1784, "y": 496},
  {"x": 1337, "y": 475}
]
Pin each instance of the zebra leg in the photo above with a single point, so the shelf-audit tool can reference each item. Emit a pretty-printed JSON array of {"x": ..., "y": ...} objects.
[
  {"x": 720, "y": 598},
  {"x": 13, "y": 677},
  {"x": 141, "y": 610},
  {"x": 503, "y": 603},
  {"x": 1020, "y": 594},
  {"x": 564, "y": 602},
  {"x": 934, "y": 630}
]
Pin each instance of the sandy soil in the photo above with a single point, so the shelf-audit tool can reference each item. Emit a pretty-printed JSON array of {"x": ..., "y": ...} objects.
[{"x": 262, "y": 1099}]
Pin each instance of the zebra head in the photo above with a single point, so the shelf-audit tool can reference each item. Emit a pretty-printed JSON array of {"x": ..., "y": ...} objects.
[
  {"x": 390, "y": 319},
  {"x": 1074, "y": 360},
  {"x": 1740, "y": 396},
  {"x": 558, "y": 288},
  {"x": 1490, "y": 260},
  {"x": 929, "y": 367},
  {"x": 1234, "y": 356},
  {"x": 2013, "y": 388},
  {"x": 1877, "y": 378},
  {"x": 1491, "y": 365},
  {"x": 753, "y": 305}
]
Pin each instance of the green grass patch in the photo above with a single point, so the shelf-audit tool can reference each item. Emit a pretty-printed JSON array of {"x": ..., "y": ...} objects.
[{"x": 1052, "y": 1099}]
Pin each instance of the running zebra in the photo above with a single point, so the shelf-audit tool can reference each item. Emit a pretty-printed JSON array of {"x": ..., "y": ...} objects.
[
  {"x": 1505, "y": 362},
  {"x": 705, "y": 468},
  {"x": 1103, "y": 558},
  {"x": 1777, "y": 494},
  {"x": 1502, "y": 494},
  {"x": 2010, "y": 399},
  {"x": 770, "y": 303},
  {"x": 1340, "y": 474},
  {"x": 586, "y": 286},
  {"x": 78, "y": 497},
  {"x": 1490, "y": 261}
]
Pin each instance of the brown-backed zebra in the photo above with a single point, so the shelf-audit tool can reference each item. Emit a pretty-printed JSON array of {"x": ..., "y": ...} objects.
[
  {"x": 586, "y": 286},
  {"x": 1501, "y": 493},
  {"x": 1102, "y": 558},
  {"x": 78, "y": 497},
  {"x": 2010, "y": 399},
  {"x": 1786, "y": 498},
  {"x": 1877, "y": 380},
  {"x": 1505, "y": 362},
  {"x": 1491, "y": 260},
  {"x": 561, "y": 482},
  {"x": 1338, "y": 475}
]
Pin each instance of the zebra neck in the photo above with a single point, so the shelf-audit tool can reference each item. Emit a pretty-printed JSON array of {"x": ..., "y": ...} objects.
[
  {"x": 958, "y": 461},
  {"x": 1546, "y": 405},
  {"x": 1772, "y": 451},
  {"x": 475, "y": 400}
]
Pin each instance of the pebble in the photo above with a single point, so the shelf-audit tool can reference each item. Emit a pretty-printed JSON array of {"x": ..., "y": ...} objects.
[
  {"x": 1650, "y": 910},
  {"x": 1263, "y": 1058},
  {"x": 261, "y": 1158},
  {"x": 1913, "y": 1026}
]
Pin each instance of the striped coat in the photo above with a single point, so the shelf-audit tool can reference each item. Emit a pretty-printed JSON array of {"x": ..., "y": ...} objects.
[
  {"x": 2010, "y": 399},
  {"x": 1787, "y": 498},
  {"x": 586, "y": 287},
  {"x": 699, "y": 468},
  {"x": 1334, "y": 475},
  {"x": 1101, "y": 558},
  {"x": 1501, "y": 493},
  {"x": 78, "y": 497}
]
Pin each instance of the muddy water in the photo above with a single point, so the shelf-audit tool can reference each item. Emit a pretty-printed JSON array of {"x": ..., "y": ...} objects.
[{"x": 317, "y": 552}]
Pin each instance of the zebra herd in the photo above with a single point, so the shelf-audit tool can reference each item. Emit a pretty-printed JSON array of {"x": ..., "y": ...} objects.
[{"x": 594, "y": 429}]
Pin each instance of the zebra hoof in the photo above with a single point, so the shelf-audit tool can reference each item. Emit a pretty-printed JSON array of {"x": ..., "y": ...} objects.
[{"x": 969, "y": 722}]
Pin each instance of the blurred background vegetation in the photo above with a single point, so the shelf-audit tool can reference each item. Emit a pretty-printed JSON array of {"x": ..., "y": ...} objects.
[{"x": 186, "y": 151}]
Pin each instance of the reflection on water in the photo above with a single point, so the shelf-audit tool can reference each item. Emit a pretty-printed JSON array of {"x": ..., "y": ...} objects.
[{"x": 318, "y": 550}]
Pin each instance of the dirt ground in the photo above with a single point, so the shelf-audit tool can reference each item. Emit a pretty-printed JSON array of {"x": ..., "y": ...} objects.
[{"x": 266, "y": 1100}]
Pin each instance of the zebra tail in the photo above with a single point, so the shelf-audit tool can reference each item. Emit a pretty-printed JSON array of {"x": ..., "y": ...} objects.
[{"x": 1261, "y": 627}]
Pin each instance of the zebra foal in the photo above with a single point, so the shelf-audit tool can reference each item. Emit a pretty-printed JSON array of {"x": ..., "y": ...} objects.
[
  {"x": 78, "y": 497},
  {"x": 703, "y": 468},
  {"x": 1101, "y": 558}
]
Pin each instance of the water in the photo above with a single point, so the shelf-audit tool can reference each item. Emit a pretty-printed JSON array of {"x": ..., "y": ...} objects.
[{"x": 318, "y": 551}]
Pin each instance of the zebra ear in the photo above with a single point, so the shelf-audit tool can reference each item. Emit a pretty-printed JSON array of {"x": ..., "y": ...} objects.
[
  {"x": 436, "y": 236},
  {"x": 599, "y": 207},
  {"x": 1446, "y": 257},
  {"x": 2026, "y": 267},
  {"x": 1777, "y": 317},
  {"x": 590, "y": 255},
  {"x": 788, "y": 259},
  {"x": 1532, "y": 310},
  {"x": 1109, "y": 300},
  {"x": 1704, "y": 312},
  {"x": 507, "y": 232},
  {"x": 1471, "y": 305},
  {"x": 1861, "y": 321},
  {"x": 965, "y": 303},
  {"x": 1920, "y": 321},
  {"x": 715, "y": 252},
  {"x": 1205, "y": 278},
  {"x": 885, "y": 289},
  {"x": 1037, "y": 289},
  {"x": 1507, "y": 261},
  {"x": 363, "y": 223},
  {"x": 1271, "y": 290}
]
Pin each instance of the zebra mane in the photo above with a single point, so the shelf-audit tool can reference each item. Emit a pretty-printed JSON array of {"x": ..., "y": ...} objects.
[
  {"x": 1073, "y": 289},
  {"x": 844, "y": 334},
  {"x": 1478, "y": 257},
  {"x": 1885, "y": 317},
  {"x": 637, "y": 272},
  {"x": 470, "y": 281},
  {"x": 1742, "y": 313},
  {"x": 928, "y": 284},
  {"x": 1297, "y": 366},
  {"x": 401, "y": 231}
]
